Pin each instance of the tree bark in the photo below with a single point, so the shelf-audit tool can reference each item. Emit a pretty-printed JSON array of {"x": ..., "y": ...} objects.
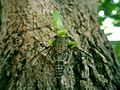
[{"x": 26, "y": 59}]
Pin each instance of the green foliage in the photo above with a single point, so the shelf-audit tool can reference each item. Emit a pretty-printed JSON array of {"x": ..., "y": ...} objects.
[
  {"x": 116, "y": 47},
  {"x": 111, "y": 10},
  {"x": 108, "y": 34}
]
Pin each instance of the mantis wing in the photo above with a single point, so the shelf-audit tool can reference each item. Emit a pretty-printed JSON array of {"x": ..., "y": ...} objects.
[{"x": 57, "y": 21}]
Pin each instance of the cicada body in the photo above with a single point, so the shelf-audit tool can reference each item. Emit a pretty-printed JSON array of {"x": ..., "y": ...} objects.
[
  {"x": 59, "y": 55},
  {"x": 58, "y": 68}
]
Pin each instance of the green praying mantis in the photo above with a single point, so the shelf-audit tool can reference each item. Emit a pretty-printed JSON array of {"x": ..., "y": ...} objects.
[{"x": 61, "y": 31}]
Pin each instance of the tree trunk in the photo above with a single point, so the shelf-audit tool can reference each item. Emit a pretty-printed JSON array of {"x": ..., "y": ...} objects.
[{"x": 26, "y": 61}]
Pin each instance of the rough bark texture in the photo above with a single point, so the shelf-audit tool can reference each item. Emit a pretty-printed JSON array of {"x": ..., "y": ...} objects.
[{"x": 26, "y": 29}]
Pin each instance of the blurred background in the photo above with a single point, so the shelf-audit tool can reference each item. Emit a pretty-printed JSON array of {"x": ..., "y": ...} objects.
[{"x": 109, "y": 20}]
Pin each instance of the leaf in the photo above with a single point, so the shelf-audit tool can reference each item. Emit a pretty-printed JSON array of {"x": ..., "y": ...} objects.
[
  {"x": 57, "y": 21},
  {"x": 108, "y": 34},
  {"x": 116, "y": 46}
]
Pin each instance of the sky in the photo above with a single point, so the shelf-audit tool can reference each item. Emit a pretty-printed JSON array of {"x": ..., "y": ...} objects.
[{"x": 115, "y": 36}]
